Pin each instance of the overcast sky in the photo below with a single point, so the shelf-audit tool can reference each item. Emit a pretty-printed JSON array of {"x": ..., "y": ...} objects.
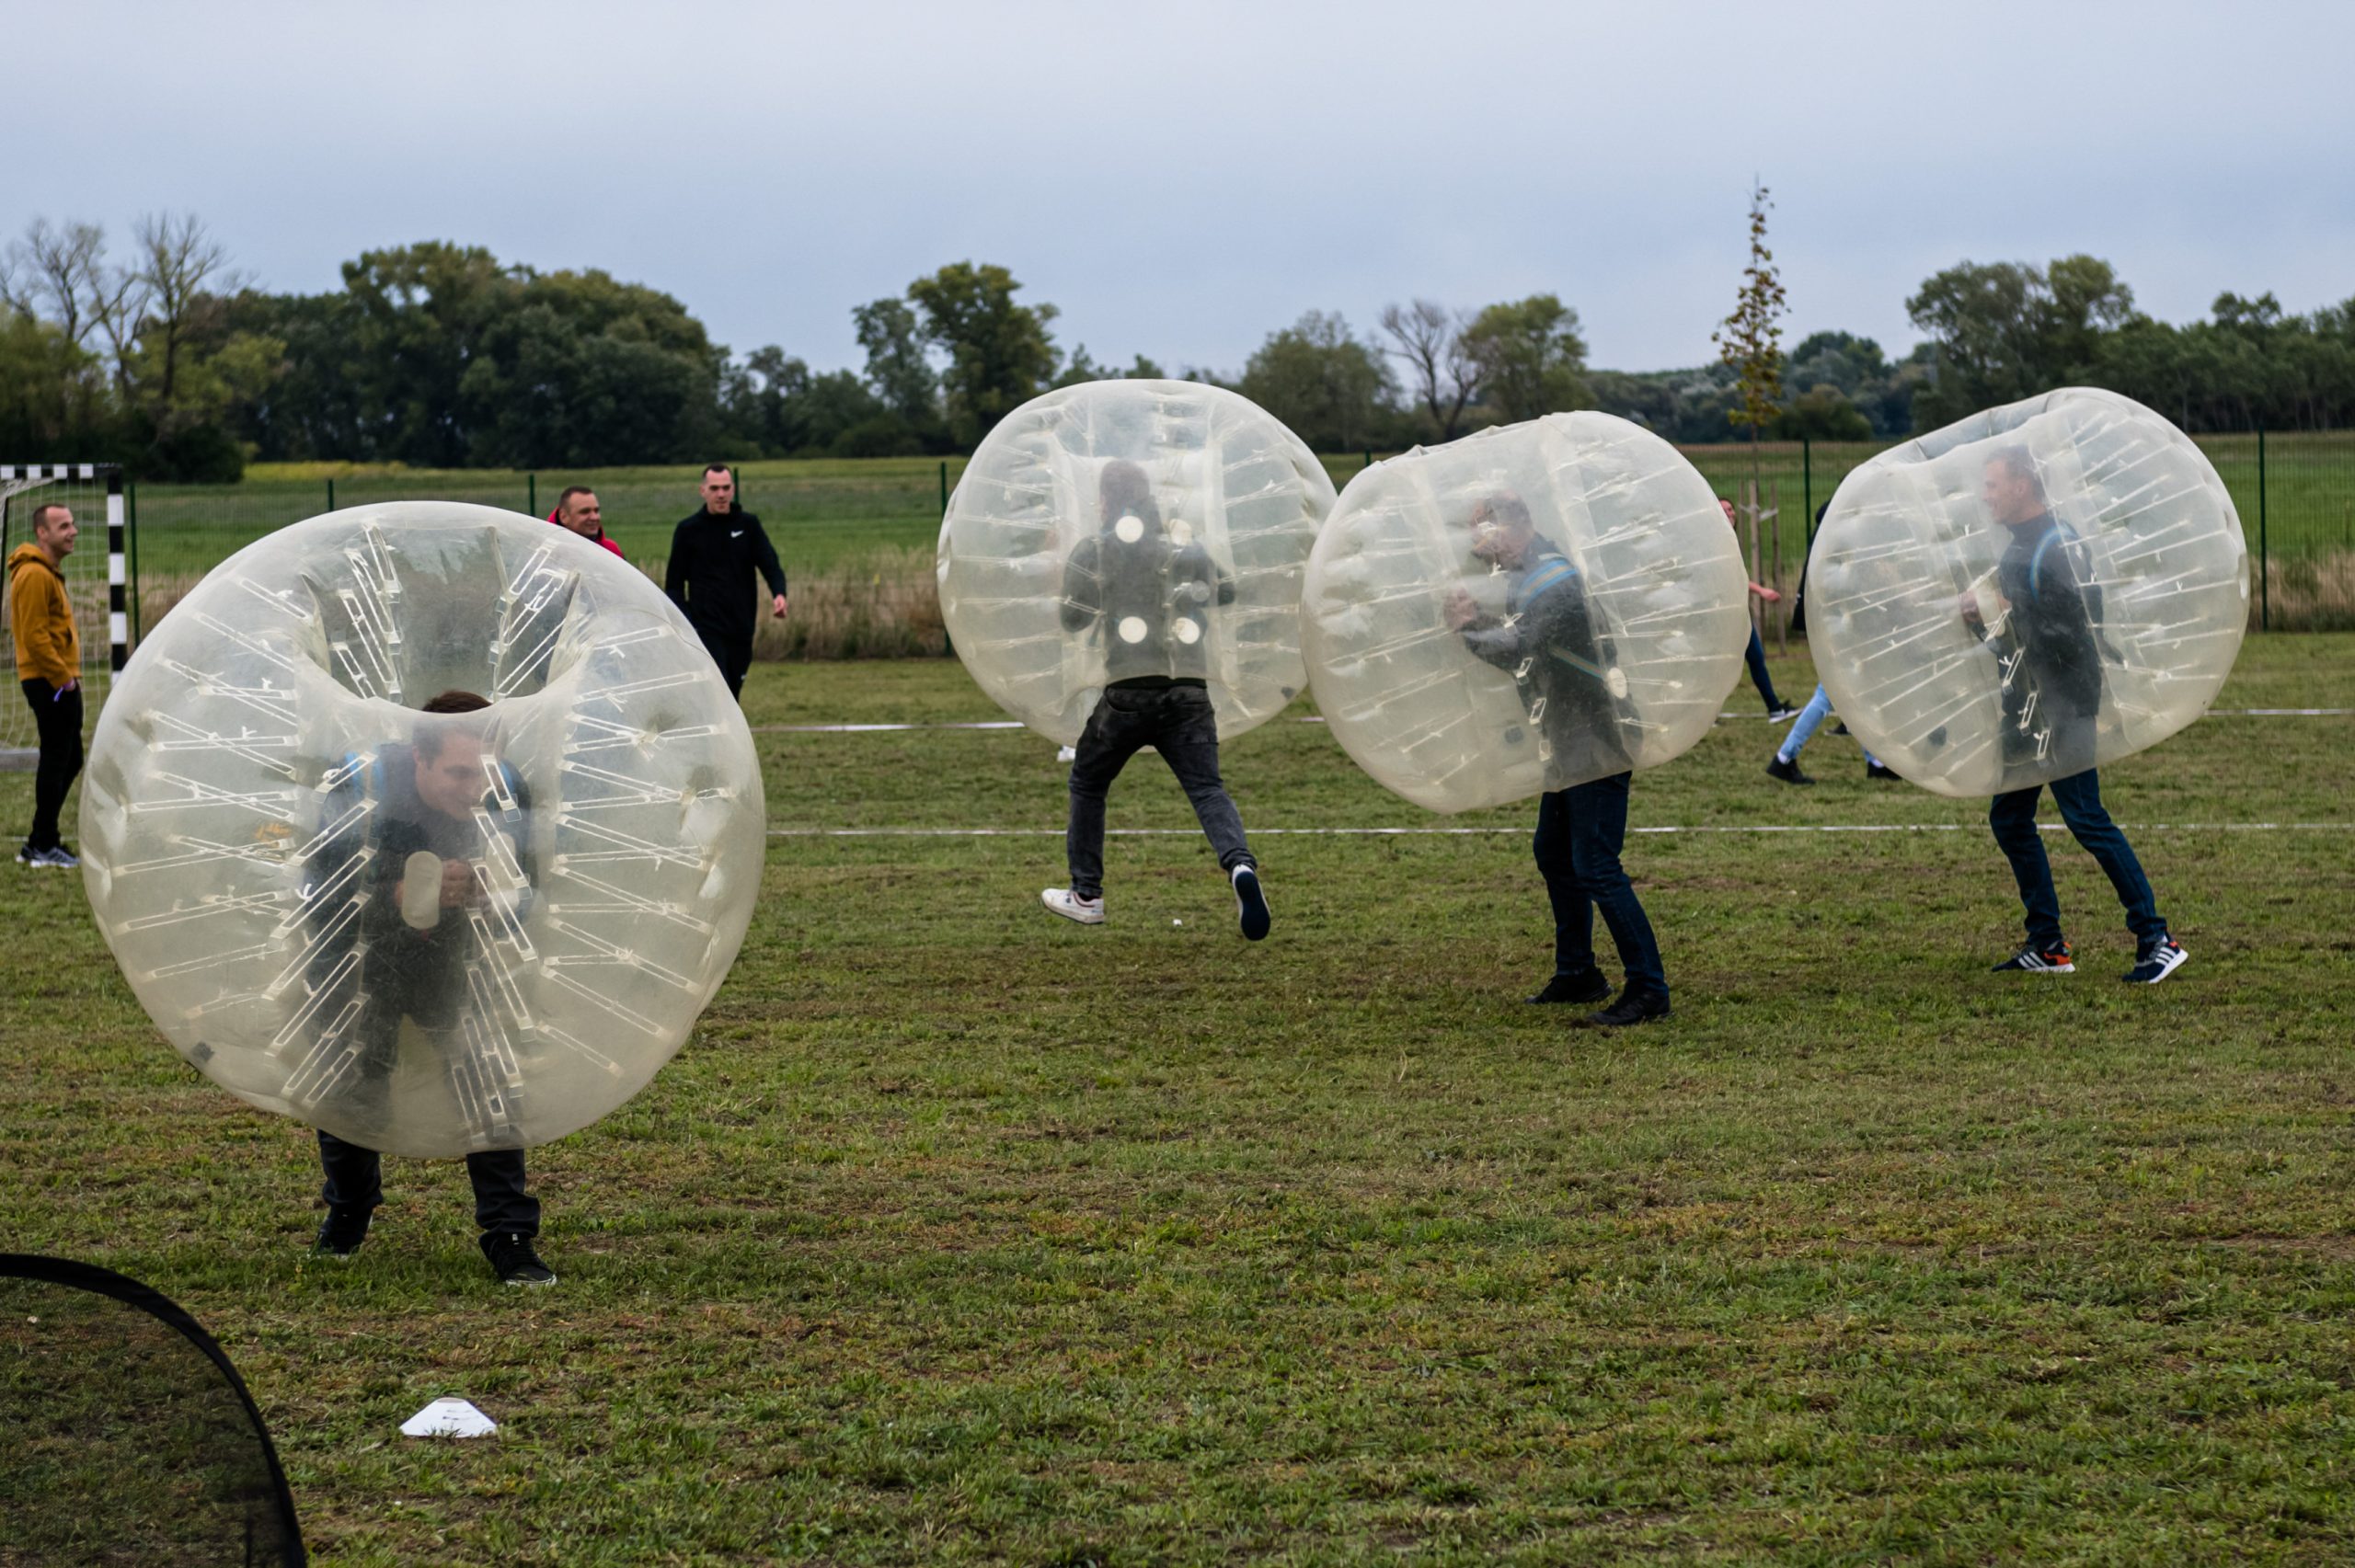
[{"x": 1182, "y": 179}]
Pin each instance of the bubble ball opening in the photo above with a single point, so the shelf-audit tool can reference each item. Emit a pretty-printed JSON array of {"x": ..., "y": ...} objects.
[
  {"x": 1126, "y": 529},
  {"x": 1604, "y": 603},
  {"x": 427, "y": 932},
  {"x": 2041, "y": 589}
]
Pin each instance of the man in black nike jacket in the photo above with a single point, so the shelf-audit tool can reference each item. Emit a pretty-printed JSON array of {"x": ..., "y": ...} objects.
[{"x": 713, "y": 556}]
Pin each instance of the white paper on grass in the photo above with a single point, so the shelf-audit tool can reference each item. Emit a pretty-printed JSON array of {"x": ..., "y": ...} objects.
[{"x": 449, "y": 1418}]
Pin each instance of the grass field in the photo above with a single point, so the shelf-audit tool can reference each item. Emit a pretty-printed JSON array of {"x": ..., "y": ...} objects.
[{"x": 958, "y": 1234}]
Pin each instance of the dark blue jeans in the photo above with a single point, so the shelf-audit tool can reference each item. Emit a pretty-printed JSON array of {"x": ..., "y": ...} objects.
[
  {"x": 1176, "y": 721},
  {"x": 57, "y": 719},
  {"x": 1756, "y": 655},
  {"x": 355, "y": 1180},
  {"x": 1580, "y": 830},
  {"x": 2013, "y": 816}
]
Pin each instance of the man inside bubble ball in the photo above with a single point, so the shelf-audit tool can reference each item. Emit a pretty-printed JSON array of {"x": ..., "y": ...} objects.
[
  {"x": 1143, "y": 593},
  {"x": 1563, "y": 663},
  {"x": 427, "y": 857},
  {"x": 2042, "y": 617}
]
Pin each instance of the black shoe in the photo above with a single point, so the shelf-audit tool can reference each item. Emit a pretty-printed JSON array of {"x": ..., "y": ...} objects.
[
  {"x": 1787, "y": 772},
  {"x": 1250, "y": 904},
  {"x": 1882, "y": 770},
  {"x": 2154, "y": 961},
  {"x": 513, "y": 1259},
  {"x": 1632, "y": 1008},
  {"x": 341, "y": 1234},
  {"x": 1777, "y": 711},
  {"x": 2034, "y": 960},
  {"x": 1841, "y": 727},
  {"x": 1585, "y": 989}
]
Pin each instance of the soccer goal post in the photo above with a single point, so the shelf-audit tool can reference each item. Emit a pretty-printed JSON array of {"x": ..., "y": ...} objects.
[{"x": 97, "y": 579}]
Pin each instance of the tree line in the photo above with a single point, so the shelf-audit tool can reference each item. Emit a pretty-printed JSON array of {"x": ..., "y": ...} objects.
[{"x": 439, "y": 355}]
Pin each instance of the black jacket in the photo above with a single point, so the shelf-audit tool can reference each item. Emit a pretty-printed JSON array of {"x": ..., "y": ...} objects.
[
  {"x": 2051, "y": 646},
  {"x": 712, "y": 562},
  {"x": 1152, "y": 599},
  {"x": 1562, "y": 663}
]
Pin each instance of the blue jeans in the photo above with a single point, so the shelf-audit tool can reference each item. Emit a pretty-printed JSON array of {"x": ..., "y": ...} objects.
[
  {"x": 1759, "y": 677},
  {"x": 1803, "y": 728},
  {"x": 2013, "y": 816},
  {"x": 1580, "y": 830},
  {"x": 1178, "y": 722}
]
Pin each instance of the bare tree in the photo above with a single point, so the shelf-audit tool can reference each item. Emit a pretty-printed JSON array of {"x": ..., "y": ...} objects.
[
  {"x": 59, "y": 274},
  {"x": 177, "y": 260},
  {"x": 1430, "y": 339}
]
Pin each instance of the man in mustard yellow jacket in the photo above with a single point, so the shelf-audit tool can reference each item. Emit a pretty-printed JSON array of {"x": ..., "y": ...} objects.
[{"x": 49, "y": 662}]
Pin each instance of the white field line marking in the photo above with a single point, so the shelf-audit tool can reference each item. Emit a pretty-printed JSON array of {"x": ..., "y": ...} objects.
[
  {"x": 1317, "y": 719},
  {"x": 1481, "y": 832}
]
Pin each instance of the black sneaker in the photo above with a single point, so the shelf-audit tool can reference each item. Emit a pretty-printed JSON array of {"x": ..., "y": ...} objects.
[
  {"x": 1883, "y": 772},
  {"x": 1632, "y": 1008},
  {"x": 1585, "y": 989},
  {"x": 513, "y": 1259},
  {"x": 2154, "y": 961},
  {"x": 1841, "y": 727},
  {"x": 1778, "y": 710},
  {"x": 1787, "y": 772},
  {"x": 2034, "y": 960},
  {"x": 1250, "y": 904},
  {"x": 341, "y": 1234}
]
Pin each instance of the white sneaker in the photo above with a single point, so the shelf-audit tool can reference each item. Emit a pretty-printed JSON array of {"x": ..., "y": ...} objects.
[
  {"x": 1068, "y": 754},
  {"x": 1086, "y": 911}
]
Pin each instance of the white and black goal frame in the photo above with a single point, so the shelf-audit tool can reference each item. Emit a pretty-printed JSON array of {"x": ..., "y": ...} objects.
[{"x": 13, "y": 476}]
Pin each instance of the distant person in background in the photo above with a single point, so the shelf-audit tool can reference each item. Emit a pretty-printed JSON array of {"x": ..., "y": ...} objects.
[
  {"x": 713, "y": 553},
  {"x": 578, "y": 510},
  {"x": 49, "y": 663},
  {"x": 1785, "y": 765},
  {"x": 1777, "y": 710}
]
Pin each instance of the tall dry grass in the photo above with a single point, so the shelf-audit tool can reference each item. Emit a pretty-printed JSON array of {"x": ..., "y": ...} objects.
[{"x": 2308, "y": 594}]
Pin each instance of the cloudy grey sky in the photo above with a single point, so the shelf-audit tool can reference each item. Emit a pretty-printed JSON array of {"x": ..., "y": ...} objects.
[{"x": 1180, "y": 180}]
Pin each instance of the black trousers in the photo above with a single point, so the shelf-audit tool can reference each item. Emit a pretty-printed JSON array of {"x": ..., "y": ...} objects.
[
  {"x": 1178, "y": 722},
  {"x": 355, "y": 1180},
  {"x": 57, "y": 716},
  {"x": 730, "y": 648}
]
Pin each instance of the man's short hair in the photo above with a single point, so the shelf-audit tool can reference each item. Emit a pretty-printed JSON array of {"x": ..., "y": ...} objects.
[
  {"x": 711, "y": 468},
  {"x": 562, "y": 502},
  {"x": 1508, "y": 508},
  {"x": 2016, "y": 461},
  {"x": 41, "y": 512},
  {"x": 429, "y": 736}
]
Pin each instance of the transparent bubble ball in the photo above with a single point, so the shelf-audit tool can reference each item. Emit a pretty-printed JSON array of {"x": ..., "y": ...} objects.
[
  {"x": 1116, "y": 529},
  {"x": 1605, "y": 643},
  {"x": 426, "y": 935},
  {"x": 1976, "y": 649}
]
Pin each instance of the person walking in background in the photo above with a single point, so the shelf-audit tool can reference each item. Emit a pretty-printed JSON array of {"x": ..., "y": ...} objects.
[
  {"x": 713, "y": 553},
  {"x": 49, "y": 664},
  {"x": 1755, "y": 654},
  {"x": 1148, "y": 597},
  {"x": 1785, "y": 765},
  {"x": 577, "y": 509},
  {"x": 2046, "y": 614},
  {"x": 1562, "y": 666}
]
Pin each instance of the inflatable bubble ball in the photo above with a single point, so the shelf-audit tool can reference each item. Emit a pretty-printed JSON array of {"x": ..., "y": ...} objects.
[
  {"x": 1120, "y": 530},
  {"x": 428, "y": 824},
  {"x": 1523, "y": 610},
  {"x": 2032, "y": 591}
]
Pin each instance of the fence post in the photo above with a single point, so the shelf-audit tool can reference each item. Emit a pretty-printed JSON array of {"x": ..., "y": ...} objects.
[
  {"x": 331, "y": 495},
  {"x": 2264, "y": 572},
  {"x": 130, "y": 507},
  {"x": 1369, "y": 457},
  {"x": 944, "y": 486},
  {"x": 531, "y": 494},
  {"x": 1806, "y": 487}
]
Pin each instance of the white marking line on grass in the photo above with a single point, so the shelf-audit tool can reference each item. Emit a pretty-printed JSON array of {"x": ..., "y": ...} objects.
[
  {"x": 1318, "y": 718},
  {"x": 1479, "y": 832}
]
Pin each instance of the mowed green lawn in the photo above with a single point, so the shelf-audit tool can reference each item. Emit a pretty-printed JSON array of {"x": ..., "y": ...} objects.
[{"x": 958, "y": 1234}]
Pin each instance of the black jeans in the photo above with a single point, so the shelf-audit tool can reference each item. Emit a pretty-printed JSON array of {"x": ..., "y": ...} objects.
[
  {"x": 731, "y": 649},
  {"x": 2013, "y": 816},
  {"x": 1580, "y": 830},
  {"x": 57, "y": 716},
  {"x": 355, "y": 1180},
  {"x": 1176, "y": 721}
]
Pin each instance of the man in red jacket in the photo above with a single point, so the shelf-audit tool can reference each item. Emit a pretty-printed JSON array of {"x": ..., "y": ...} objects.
[{"x": 577, "y": 509}]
